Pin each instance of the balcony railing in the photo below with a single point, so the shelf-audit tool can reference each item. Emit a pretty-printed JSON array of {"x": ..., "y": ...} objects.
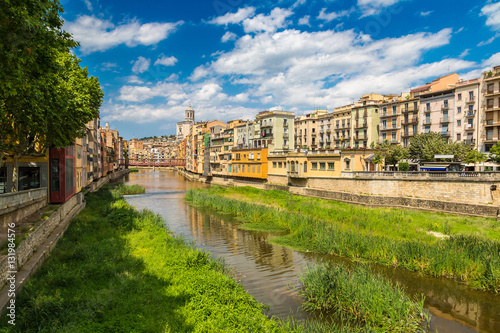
[
  {"x": 427, "y": 122},
  {"x": 469, "y": 127},
  {"x": 445, "y": 107},
  {"x": 445, "y": 120},
  {"x": 471, "y": 100},
  {"x": 422, "y": 174},
  {"x": 470, "y": 114},
  {"x": 445, "y": 133},
  {"x": 427, "y": 110}
]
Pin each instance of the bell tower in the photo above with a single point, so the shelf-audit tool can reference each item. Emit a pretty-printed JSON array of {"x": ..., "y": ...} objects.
[{"x": 190, "y": 114}]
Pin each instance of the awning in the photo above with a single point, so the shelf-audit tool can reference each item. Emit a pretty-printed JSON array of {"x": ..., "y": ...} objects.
[
  {"x": 370, "y": 157},
  {"x": 434, "y": 167}
]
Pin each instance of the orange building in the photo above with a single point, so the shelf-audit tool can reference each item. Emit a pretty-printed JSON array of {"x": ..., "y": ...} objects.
[{"x": 249, "y": 163}]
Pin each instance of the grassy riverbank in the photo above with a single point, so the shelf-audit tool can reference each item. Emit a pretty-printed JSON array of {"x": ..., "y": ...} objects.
[
  {"x": 119, "y": 270},
  {"x": 468, "y": 252}
]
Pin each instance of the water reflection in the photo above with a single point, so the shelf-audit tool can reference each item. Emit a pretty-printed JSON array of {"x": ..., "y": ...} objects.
[{"x": 268, "y": 272}]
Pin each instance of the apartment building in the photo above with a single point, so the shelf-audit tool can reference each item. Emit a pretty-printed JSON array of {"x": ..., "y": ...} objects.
[
  {"x": 490, "y": 105},
  {"x": 437, "y": 105},
  {"x": 365, "y": 119},
  {"x": 249, "y": 163},
  {"x": 410, "y": 107},
  {"x": 306, "y": 129},
  {"x": 274, "y": 130},
  {"x": 325, "y": 126},
  {"x": 390, "y": 120},
  {"x": 342, "y": 126},
  {"x": 467, "y": 120}
]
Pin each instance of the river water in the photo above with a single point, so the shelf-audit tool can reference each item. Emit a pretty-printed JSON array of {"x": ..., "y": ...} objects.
[{"x": 270, "y": 273}]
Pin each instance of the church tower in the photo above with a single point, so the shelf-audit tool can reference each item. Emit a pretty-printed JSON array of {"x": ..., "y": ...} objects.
[{"x": 190, "y": 114}]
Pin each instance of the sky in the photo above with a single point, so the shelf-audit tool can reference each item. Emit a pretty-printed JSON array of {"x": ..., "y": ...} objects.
[{"x": 230, "y": 59}]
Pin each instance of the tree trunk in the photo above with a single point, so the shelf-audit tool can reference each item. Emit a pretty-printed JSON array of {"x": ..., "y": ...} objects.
[{"x": 15, "y": 174}]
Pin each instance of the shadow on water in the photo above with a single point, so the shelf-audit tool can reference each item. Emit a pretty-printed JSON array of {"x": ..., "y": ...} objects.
[{"x": 270, "y": 272}]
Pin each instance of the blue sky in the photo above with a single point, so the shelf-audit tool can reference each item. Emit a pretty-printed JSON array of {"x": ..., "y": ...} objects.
[{"x": 230, "y": 59}]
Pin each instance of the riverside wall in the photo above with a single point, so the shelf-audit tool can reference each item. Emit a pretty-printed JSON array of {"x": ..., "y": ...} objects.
[
  {"x": 470, "y": 197},
  {"x": 36, "y": 247}
]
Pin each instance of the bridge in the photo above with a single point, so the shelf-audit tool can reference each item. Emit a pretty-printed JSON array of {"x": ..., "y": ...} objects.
[{"x": 155, "y": 162}]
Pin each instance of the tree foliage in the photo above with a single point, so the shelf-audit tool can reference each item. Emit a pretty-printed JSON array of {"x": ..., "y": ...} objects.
[
  {"x": 495, "y": 152},
  {"x": 424, "y": 146},
  {"x": 473, "y": 156},
  {"x": 46, "y": 98},
  {"x": 395, "y": 154}
]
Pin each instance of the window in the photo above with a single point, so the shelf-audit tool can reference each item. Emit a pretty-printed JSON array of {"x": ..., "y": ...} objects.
[
  {"x": 280, "y": 164},
  {"x": 459, "y": 122},
  {"x": 393, "y": 136},
  {"x": 305, "y": 167},
  {"x": 331, "y": 166},
  {"x": 428, "y": 106},
  {"x": 459, "y": 137},
  {"x": 427, "y": 129},
  {"x": 3, "y": 179},
  {"x": 384, "y": 136},
  {"x": 253, "y": 168},
  {"x": 459, "y": 97},
  {"x": 314, "y": 165},
  {"x": 459, "y": 109},
  {"x": 258, "y": 168},
  {"x": 30, "y": 178},
  {"x": 394, "y": 109},
  {"x": 471, "y": 109},
  {"x": 258, "y": 156},
  {"x": 394, "y": 123},
  {"x": 322, "y": 166},
  {"x": 250, "y": 156},
  {"x": 274, "y": 164}
]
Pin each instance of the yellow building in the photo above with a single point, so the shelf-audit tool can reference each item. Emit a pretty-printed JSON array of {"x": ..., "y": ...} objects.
[
  {"x": 249, "y": 163},
  {"x": 297, "y": 168},
  {"x": 33, "y": 173},
  {"x": 361, "y": 160}
]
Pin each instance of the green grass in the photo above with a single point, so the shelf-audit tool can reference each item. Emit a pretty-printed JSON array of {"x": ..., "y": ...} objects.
[
  {"x": 361, "y": 297},
  {"x": 129, "y": 189},
  {"x": 119, "y": 270},
  {"x": 133, "y": 170},
  {"x": 392, "y": 237}
]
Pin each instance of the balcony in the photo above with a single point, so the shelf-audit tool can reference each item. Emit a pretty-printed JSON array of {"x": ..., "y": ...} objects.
[
  {"x": 361, "y": 137},
  {"x": 445, "y": 120},
  {"x": 395, "y": 141},
  {"x": 313, "y": 134},
  {"x": 362, "y": 125},
  {"x": 490, "y": 122},
  {"x": 295, "y": 174},
  {"x": 266, "y": 125},
  {"x": 445, "y": 107},
  {"x": 267, "y": 135},
  {"x": 445, "y": 134},
  {"x": 285, "y": 135},
  {"x": 407, "y": 134},
  {"x": 470, "y": 114},
  {"x": 471, "y": 100},
  {"x": 329, "y": 130},
  {"x": 470, "y": 141},
  {"x": 406, "y": 110},
  {"x": 490, "y": 93},
  {"x": 427, "y": 110},
  {"x": 410, "y": 121},
  {"x": 469, "y": 127},
  {"x": 321, "y": 131},
  {"x": 427, "y": 122}
]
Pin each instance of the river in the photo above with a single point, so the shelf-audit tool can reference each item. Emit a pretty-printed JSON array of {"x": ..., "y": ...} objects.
[{"x": 270, "y": 273}]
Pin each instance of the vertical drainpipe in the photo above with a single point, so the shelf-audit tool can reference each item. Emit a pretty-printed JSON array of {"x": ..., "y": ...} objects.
[{"x": 478, "y": 113}]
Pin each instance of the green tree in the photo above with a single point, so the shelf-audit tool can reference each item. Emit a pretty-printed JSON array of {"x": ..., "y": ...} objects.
[
  {"x": 460, "y": 150},
  {"x": 45, "y": 96},
  {"x": 495, "y": 152},
  {"x": 475, "y": 157},
  {"x": 424, "y": 146},
  {"x": 395, "y": 154}
]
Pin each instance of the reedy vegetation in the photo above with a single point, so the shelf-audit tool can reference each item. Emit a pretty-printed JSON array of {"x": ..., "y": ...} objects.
[
  {"x": 392, "y": 237},
  {"x": 120, "y": 270},
  {"x": 360, "y": 296}
]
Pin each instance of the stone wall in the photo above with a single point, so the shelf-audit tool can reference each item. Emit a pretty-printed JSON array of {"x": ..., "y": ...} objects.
[
  {"x": 38, "y": 236},
  {"x": 18, "y": 205},
  {"x": 469, "y": 191}
]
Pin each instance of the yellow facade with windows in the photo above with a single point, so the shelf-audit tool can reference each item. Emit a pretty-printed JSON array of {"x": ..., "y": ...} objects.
[{"x": 249, "y": 163}]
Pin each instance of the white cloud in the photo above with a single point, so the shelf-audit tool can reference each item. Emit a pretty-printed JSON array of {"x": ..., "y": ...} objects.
[
  {"x": 199, "y": 73},
  {"x": 373, "y": 7},
  {"x": 328, "y": 17},
  {"x": 489, "y": 41},
  {"x": 492, "y": 11},
  {"x": 423, "y": 14},
  {"x": 301, "y": 69},
  {"x": 268, "y": 23},
  {"x": 228, "y": 36},
  {"x": 89, "y": 5},
  {"x": 108, "y": 66},
  {"x": 240, "y": 98},
  {"x": 166, "y": 61},
  {"x": 98, "y": 35},
  {"x": 134, "y": 79},
  {"x": 141, "y": 65},
  {"x": 464, "y": 53},
  {"x": 305, "y": 20},
  {"x": 234, "y": 18}
]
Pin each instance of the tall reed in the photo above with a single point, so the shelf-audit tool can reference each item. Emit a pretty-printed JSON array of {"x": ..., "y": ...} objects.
[
  {"x": 470, "y": 259},
  {"x": 360, "y": 296}
]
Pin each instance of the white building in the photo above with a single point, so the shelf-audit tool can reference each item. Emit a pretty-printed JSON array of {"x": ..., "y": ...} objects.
[{"x": 183, "y": 126}]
